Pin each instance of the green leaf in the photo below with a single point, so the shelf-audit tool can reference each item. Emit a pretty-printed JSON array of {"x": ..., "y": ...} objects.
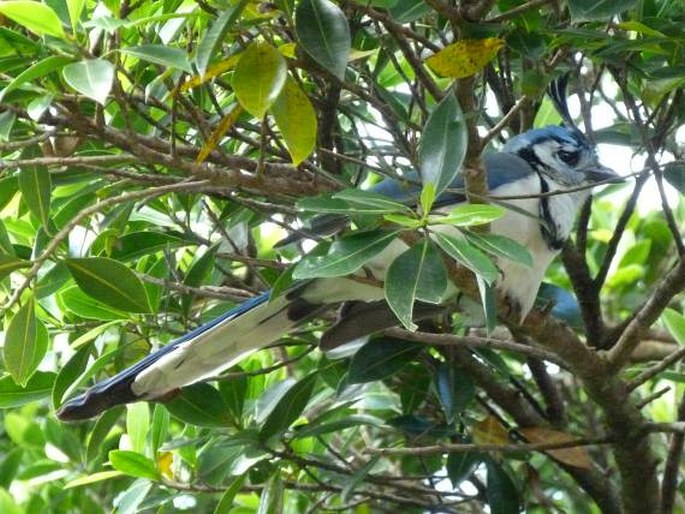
[
  {"x": 75, "y": 9},
  {"x": 487, "y": 298},
  {"x": 271, "y": 499},
  {"x": 675, "y": 324},
  {"x": 136, "y": 244},
  {"x": 134, "y": 464},
  {"x": 7, "y": 504},
  {"x": 34, "y": 16},
  {"x": 501, "y": 493},
  {"x": 289, "y": 407},
  {"x": 225, "y": 505},
  {"x": 461, "y": 465},
  {"x": 406, "y": 11},
  {"x": 674, "y": 173},
  {"x": 9, "y": 263},
  {"x": 229, "y": 457},
  {"x": 455, "y": 390},
  {"x": 233, "y": 391},
  {"x": 427, "y": 197},
  {"x": 469, "y": 215},
  {"x": 7, "y": 120},
  {"x": 129, "y": 500},
  {"x": 103, "y": 426},
  {"x": 592, "y": 10},
  {"x": 457, "y": 247},
  {"x": 160, "y": 428},
  {"x": 346, "y": 255},
  {"x": 417, "y": 274},
  {"x": 259, "y": 78},
  {"x": 443, "y": 145},
  {"x": 370, "y": 202},
  {"x": 72, "y": 299},
  {"x": 69, "y": 374},
  {"x": 40, "y": 69},
  {"x": 92, "y": 78},
  {"x": 8, "y": 188},
  {"x": 110, "y": 282},
  {"x": 163, "y": 55},
  {"x": 323, "y": 32},
  {"x": 201, "y": 405},
  {"x": 36, "y": 187},
  {"x": 405, "y": 221},
  {"x": 381, "y": 358},
  {"x": 37, "y": 388},
  {"x": 296, "y": 119},
  {"x": 214, "y": 37},
  {"x": 324, "y": 204},
  {"x": 26, "y": 343},
  {"x": 501, "y": 246},
  {"x": 138, "y": 425}
]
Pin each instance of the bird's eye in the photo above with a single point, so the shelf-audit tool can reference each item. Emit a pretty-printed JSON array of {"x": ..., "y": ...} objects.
[{"x": 570, "y": 158}]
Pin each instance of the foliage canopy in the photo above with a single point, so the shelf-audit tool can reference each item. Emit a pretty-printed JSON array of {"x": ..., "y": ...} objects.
[{"x": 150, "y": 151}]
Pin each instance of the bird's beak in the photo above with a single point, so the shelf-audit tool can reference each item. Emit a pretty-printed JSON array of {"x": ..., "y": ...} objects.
[{"x": 600, "y": 173}]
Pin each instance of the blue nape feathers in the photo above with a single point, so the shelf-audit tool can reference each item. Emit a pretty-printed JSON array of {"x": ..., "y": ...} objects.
[{"x": 529, "y": 169}]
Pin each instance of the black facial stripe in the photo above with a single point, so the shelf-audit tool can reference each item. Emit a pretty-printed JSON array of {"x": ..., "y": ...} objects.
[{"x": 548, "y": 228}]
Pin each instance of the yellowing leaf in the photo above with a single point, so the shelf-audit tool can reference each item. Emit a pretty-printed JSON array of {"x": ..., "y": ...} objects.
[
  {"x": 288, "y": 50},
  {"x": 464, "y": 58},
  {"x": 576, "y": 456},
  {"x": 296, "y": 120},
  {"x": 218, "y": 133},
  {"x": 164, "y": 462},
  {"x": 490, "y": 431},
  {"x": 259, "y": 77},
  {"x": 214, "y": 70}
]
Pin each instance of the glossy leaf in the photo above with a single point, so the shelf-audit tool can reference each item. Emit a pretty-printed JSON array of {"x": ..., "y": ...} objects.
[
  {"x": 443, "y": 145},
  {"x": 455, "y": 390},
  {"x": 75, "y": 10},
  {"x": 34, "y": 16},
  {"x": 199, "y": 404},
  {"x": 371, "y": 202},
  {"x": 675, "y": 324},
  {"x": 460, "y": 465},
  {"x": 296, "y": 119},
  {"x": 588, "y": 10},
  {"x": 133, "y": 464},
  {"x": 259, "y": 78},
  {"x": 68, "y": 375},
  {"x": 36, "y": 188},
  {"x": 26, "y": 343},
  {"x": 346, "y": 255},
  {"x": 37, "y": 70},
  {"x": 500, "y": 246},
  {"x": 456, "y": 246},
  {"x": 226, "y": 504},
  {"x": 271, "y": 499},
  {"x": 501, "y": 492},
  {"x": 470, "y": 215},
  {"x": 76, "y": 301},
  {"x": 92, "y": 78},
  {"x": 9, "y": 263},
  {"x": 37, "y": 388},
  {"x": 465, "y": 57},
  {"x": 417, "y": 274},
  {"x": 211, "y": 42},
  {"x": 381, "y": 358},
  {"x": 289, "y": 407},
  {"x": 323, "y": 32},
  {"x": 163, "y": 55},
  {"x": 138, "y": 425},
  {"x": 110, "y": 282}
]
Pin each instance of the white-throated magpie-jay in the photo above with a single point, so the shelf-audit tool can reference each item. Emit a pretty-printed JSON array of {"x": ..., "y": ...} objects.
[{"x": 534, "y": 163}]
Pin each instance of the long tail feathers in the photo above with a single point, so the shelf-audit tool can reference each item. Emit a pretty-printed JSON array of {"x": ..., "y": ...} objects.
[{"x": 200, "y": 354}]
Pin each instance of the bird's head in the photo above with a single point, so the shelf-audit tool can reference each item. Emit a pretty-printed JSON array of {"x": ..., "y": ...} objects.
[{"x": 562, "y": 154}]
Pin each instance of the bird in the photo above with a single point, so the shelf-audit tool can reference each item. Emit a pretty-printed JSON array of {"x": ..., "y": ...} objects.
[{"x": 551, "y": 169}]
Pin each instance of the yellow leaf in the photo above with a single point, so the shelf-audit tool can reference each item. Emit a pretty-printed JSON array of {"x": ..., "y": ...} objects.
[
  {"x": 218, "y": 133},
  {"x": 464, "y": 58},
  {"x": 576, "y": 456},
  {"x": 288, "y": 50},
  {"x": 164, "y": 462},
  {"x": 214, "y": 70},
  {"x": 296, "y": 119},
  {"x": 490, "y": 431}
]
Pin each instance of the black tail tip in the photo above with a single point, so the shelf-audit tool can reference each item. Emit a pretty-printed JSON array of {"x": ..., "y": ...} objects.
[{"x": 95, "y": 401}]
